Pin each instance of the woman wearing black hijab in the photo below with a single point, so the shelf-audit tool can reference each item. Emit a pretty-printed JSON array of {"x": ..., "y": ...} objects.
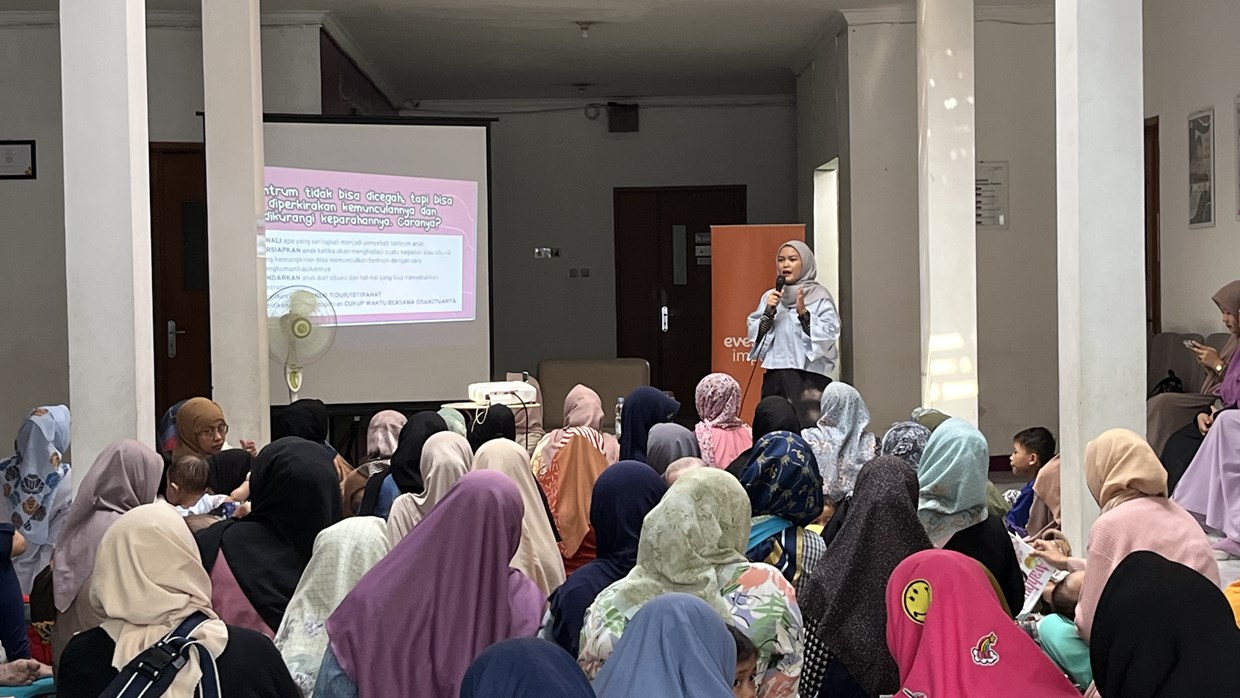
[
  {"x": 294, "y": 495},
  {"x": 1162, "y": 630},
  {"x": 307, "y": 418},
  {"x": 643, "y": 408},
  {"x": 228, "y": 470},
  {"x": 773, "y": 414},
  {"x": 404, "y": 475},
  {"x": 498, "y": 422}
]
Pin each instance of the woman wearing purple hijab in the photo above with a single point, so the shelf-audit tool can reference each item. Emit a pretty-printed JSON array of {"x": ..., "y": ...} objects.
[
  {"x": 1210, "y": 487},
  {"x": 445, "y": 593}
]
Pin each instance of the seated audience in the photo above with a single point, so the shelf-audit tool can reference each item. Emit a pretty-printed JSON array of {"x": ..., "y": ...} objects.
[
  {"x": 745, "y": 684},
  {"x": 1148, "y": 642},
  {"x": 676, "y": 646},
  {"x": 229, "y": 473},
  {"x": 188, "y": 480},
  {"x": 1031, "y": 450},
  {"x": 201, "y": 430},
  {"x": 38, "y": 488},
  {"x": 937, "y": 600},
  {"x": 343, "y": 552},
  {"x": 404, "y": 475},
  {"x": 693, "y": 541},
  {"x": 13, "y": 637},
  {"x": 256, "y": 562},
  {"x": 1130, "y": 486},
  {"x": 643, "y": 408},
  {"x": 679, "y": 467},
  {"x": 952, "y": 505},
  {"x": 1044, "y": 513},
  {"x": 124, "y": 476},
  {"x": 843, "y": 602},
  {"x": 495, "y": 422},
  {"x": 1168, "y": 413},
  {"x": 670, "y": 442},
  {"x": 147, "y": 581},
  {"x": 840, "y": 441},
  {"x": 525, "y": 668},
  {"x": 166, "y": 430},
  {"x": 1209, "y": 489},
  {"x": 382, "y": 438},
  {"x": 537, "y": 556},
  {"x": 446, "y": 458},
  {"x": 567, "y": 482},
  {"x": 307, "y": 418},
  {"x": 447, "y": 592},
  {"x": 785, "y": 496},
  {"x": 773, "y": 414},
  {"x": 622, "y": 496},
  {"x": 455, "y": 421},
  {"x": 583, "y": 414},
  {"x": 721, "y": 434}
]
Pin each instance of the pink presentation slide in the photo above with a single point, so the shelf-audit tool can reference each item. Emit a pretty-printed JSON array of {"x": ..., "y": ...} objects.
[{"x": 384, "y": 249}]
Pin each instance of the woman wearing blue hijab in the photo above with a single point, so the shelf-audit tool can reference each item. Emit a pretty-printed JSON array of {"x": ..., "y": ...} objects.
[
  {"x": 676, "y": 646},
  {"x": 525, "y": 668},
  {"x": 643, "y": 408}
]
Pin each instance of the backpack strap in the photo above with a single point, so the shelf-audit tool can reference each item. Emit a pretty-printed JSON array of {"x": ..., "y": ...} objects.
[{"x": 152, "y": 672}]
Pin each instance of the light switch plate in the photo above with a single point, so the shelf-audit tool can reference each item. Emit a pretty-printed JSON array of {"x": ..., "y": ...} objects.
[
  {"x": 585, "y": 272},
  {"x": 573, "y": 273}
]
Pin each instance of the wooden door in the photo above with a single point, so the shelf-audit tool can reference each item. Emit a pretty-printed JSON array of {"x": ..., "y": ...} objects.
[
  {"x": 1153, "y": 251},
  {"x": 663, "y": 280},
  {"x": 179, "y": 273}
]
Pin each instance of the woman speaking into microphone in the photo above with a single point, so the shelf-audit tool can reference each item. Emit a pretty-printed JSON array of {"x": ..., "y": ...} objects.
[{"x": 794, "y": 331}]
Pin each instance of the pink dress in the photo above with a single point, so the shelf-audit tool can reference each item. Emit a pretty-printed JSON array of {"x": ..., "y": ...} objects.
[{"x": 230, "y": 602}]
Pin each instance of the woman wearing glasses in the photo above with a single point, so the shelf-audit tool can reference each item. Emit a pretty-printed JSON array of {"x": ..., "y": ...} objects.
[{"x": 201, "y": 430}]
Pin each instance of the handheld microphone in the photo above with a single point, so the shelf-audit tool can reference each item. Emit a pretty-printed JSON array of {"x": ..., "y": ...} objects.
[{"x": 779, "y": 282}]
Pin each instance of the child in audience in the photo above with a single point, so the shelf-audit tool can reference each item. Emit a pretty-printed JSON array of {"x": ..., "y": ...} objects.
[
  {"x": 746, "y": 665},
  {"x": 1031, "y": 449},
  {"x": 187, "y": 487}
]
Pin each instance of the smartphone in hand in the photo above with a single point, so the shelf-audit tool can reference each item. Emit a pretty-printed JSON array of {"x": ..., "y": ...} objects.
[{"x": 1191, "y": 345}]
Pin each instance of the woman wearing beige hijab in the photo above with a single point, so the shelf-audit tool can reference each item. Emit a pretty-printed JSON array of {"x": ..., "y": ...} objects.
[
  {"x": 583, "y": 414},
  {"x": 1130, "y": 485},
  {"x": 148, "y": 580},
  {"x": 537, "y": 555},
  {"x": 445, "y": 458}
]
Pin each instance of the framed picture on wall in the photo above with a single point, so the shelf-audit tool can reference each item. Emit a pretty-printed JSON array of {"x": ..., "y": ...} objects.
[
  {"x": 17, "y": 160},
  {"x": 1201, "y": 169}
]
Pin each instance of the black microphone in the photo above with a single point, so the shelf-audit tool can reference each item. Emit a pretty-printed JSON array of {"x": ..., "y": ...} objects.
[{"x": 779, "y": 282}]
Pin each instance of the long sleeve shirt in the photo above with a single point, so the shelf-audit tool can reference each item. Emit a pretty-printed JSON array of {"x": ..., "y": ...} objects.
[{"x": 788, "y": 345}]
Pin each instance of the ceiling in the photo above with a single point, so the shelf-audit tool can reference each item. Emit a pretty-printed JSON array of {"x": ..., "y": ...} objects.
[{"x": 524, "y": 49}]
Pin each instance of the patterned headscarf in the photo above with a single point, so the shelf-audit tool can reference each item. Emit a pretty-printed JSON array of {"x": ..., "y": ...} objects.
[
  {"x": 718, "y": 399},
  {"x": 782, "y": 479},
  {"x": 36, "y": 470},
  {"x": 840, "y": 440},
  {"x": 907, "y": 441},
  {"x": 700, "y": 526}
]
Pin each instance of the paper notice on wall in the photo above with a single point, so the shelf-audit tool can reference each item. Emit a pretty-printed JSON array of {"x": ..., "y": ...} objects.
[
  {"x": 991, "y": 195},
  {"x": 1037, "y": 574}
]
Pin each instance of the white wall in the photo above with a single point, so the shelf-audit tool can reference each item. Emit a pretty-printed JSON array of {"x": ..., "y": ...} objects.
[
  {"x": 34, "y": 350},
  {"x": 1191, "y": 54},
  {"x": 873, "y": 99},
  {"x": 552, "y": 181}
]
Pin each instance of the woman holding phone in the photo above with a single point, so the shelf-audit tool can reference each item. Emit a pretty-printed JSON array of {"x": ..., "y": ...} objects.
[{"x": 1192, "y": 414}]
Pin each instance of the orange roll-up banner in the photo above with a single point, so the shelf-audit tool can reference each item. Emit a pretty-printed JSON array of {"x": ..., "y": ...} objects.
[{"x": 742, "y": 269}]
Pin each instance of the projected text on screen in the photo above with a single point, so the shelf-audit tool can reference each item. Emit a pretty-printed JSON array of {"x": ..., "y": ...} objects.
[{"x": 384, "y": 249}]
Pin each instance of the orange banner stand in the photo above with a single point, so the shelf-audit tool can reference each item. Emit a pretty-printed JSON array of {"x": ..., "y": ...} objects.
[{"x": 742, "y": 269}]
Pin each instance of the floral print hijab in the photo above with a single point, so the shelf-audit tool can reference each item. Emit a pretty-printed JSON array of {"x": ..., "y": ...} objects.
[{"x": 36, "y": 471}]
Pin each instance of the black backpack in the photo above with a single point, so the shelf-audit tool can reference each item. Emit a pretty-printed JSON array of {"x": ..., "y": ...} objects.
[
  {"x": 151, "y": 673},
  {"x": 1170, "y": 384}
]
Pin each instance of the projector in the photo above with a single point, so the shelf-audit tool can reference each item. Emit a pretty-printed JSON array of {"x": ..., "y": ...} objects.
[{"x": 511, "y": 393}]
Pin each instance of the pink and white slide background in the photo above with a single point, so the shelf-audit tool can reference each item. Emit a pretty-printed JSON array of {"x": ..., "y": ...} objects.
[{"x": 456, "y": 237}]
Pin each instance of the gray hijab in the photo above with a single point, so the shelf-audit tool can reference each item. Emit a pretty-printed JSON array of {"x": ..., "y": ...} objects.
[
  {"x": 669, "y": 443},
  {"x": 808, "y": 280}
]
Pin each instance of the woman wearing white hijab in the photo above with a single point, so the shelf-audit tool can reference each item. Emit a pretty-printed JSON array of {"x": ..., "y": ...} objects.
[
  {"x": 446, "y": 457},
  {"x": 840, "y": 441},
  {"x": 794, "y": 332}
]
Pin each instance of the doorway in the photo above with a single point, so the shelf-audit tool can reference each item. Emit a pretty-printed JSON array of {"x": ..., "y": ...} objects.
[
  {"x": 179, "y": 273},
  {"x": 1153, "y": 250},
  {"x": 663, "y": 280}
]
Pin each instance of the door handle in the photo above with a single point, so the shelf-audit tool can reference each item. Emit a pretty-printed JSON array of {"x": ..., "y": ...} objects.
[
  {"x": 172, "y": 338},
  {"x": 663, "y": 318}
]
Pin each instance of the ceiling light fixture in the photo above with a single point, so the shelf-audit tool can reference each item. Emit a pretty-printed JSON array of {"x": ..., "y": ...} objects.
[{"x": 585, "y": 29}]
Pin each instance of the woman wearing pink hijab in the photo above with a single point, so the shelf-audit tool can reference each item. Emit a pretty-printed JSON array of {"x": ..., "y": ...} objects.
[
  {"x": 446, "y": 591},
  {"x": 950, "y": 636},
  {"x": 721, "y": 434}
]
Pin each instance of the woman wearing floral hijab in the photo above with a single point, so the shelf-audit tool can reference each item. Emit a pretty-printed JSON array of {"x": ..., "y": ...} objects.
[
  {"x": 38, "y": 488},
  {"x": 721, "y": 434},
  {"x": 785, "y": 493},
  {"x": 840, "y": 440}
]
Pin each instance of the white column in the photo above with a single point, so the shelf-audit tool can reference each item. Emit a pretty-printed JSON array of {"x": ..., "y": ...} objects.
[
  {"x": 1099, "y": 116},
  {"x": 232, "y": 77},
  {"x": 945, "y": 156},
  {"x": 107, "y": 225}
]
